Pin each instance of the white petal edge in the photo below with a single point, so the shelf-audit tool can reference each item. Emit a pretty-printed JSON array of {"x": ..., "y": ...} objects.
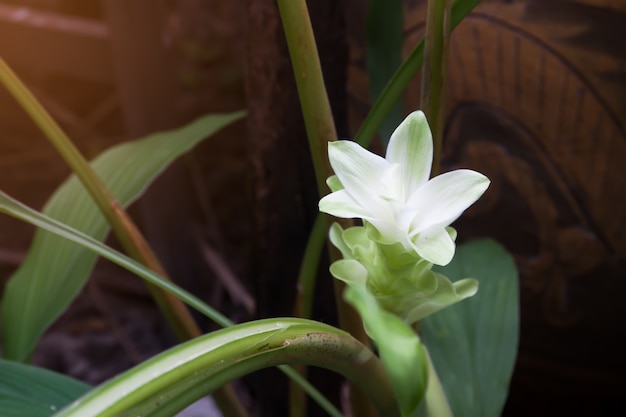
[
  {"x": 358, "y": 170},
  {"x": 444, "y": 198},
  {"x": 341, "y": 204},
  {"x": 411, "y": 146}
]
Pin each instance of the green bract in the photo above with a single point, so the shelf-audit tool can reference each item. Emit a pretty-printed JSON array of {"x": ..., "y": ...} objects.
[
  {"x": 401, "y": 282},
  {"x": 395, "y": 196},
  {"x": 401, "y": 350}
]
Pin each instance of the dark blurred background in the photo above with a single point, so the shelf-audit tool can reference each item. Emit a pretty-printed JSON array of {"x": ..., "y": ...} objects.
[{"x": 536, "y": 98}]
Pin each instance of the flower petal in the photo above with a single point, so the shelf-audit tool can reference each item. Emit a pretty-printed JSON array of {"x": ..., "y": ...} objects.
[
  {"x": 358, "y": 170},
  {"x": 341, "y": 204},
  {"x": 444, "y": 198},
  {"x": 411, "y": 146},
  {"x": 434, "y": 245}
]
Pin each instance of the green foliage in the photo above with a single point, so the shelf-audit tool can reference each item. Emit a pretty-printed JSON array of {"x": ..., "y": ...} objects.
[
  {"x": 55, "y": 270},
  {"x": 29, "y": 391},
  {"x": 473, "y": 344},
  {"x": 174, "y": 379}
]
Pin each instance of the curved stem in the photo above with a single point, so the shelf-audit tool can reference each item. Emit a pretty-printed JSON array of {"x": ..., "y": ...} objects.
[{"x": 185, "y": 373}]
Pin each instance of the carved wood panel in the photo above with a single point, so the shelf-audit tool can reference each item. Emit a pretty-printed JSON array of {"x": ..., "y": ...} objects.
[{"x": 536, "y": 98}]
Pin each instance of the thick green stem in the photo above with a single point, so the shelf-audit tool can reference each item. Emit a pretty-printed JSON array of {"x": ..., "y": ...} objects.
[
  {"x": 435, "y": 72},
  {"x": 185, "y": 373},
  {"x": 122, "y": 225},
  {"x": 318, "y": 117},
  {"x": 320, "y": 128}
]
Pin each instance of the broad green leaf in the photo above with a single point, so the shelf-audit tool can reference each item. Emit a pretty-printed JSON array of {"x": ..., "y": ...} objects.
[
  {"x": 400, "y": 349},
  {"x": 473, "y": 344},
  {"x": 29, "y": 391},
  {"x": 384, "y": 36},
  {"x": 55, "y": 270}
]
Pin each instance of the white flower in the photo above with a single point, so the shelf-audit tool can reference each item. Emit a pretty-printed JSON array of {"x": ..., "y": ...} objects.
[{"x": 395, "y": 196}]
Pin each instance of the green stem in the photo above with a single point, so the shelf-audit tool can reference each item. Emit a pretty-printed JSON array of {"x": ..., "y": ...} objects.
[
  {"x": 320, "y": 128},
  {"x": 185, "y": 373},
  {"x": 318, "y": 117},
  {"x": 435, "y": 72},
  {"x": 308, "y": 269},
  {"x": 122, "y": 225},
  {"x": 303, "y": 308}
]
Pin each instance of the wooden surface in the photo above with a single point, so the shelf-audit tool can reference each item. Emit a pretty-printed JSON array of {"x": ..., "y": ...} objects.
[
  {"x": 536, "y": 101},
  {"x": 44, "y": 41}
]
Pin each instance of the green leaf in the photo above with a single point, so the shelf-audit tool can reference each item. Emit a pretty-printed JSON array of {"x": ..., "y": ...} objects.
[
  {"x": 384, "y": 36},
  {"x": 400, "y": 349},
  {"x": 29, "y": 391},
  {"x": 55, "y": 270},
  {"x": 170, "y": 381},
  {"x": 473, "y": 344}
]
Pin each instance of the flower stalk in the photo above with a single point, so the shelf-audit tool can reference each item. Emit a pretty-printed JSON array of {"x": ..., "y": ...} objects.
[
  {"x": 320, "y": 128},
  {"x": 435, "y": 71}
]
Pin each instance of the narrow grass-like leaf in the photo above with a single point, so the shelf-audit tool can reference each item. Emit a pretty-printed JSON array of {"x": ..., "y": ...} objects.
[
  {"x": 29, "y": 391},
  {"x": 473, "y": 344},
  {"x": 384, "y": 35},
  {"x": 55, "y": 270}
]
